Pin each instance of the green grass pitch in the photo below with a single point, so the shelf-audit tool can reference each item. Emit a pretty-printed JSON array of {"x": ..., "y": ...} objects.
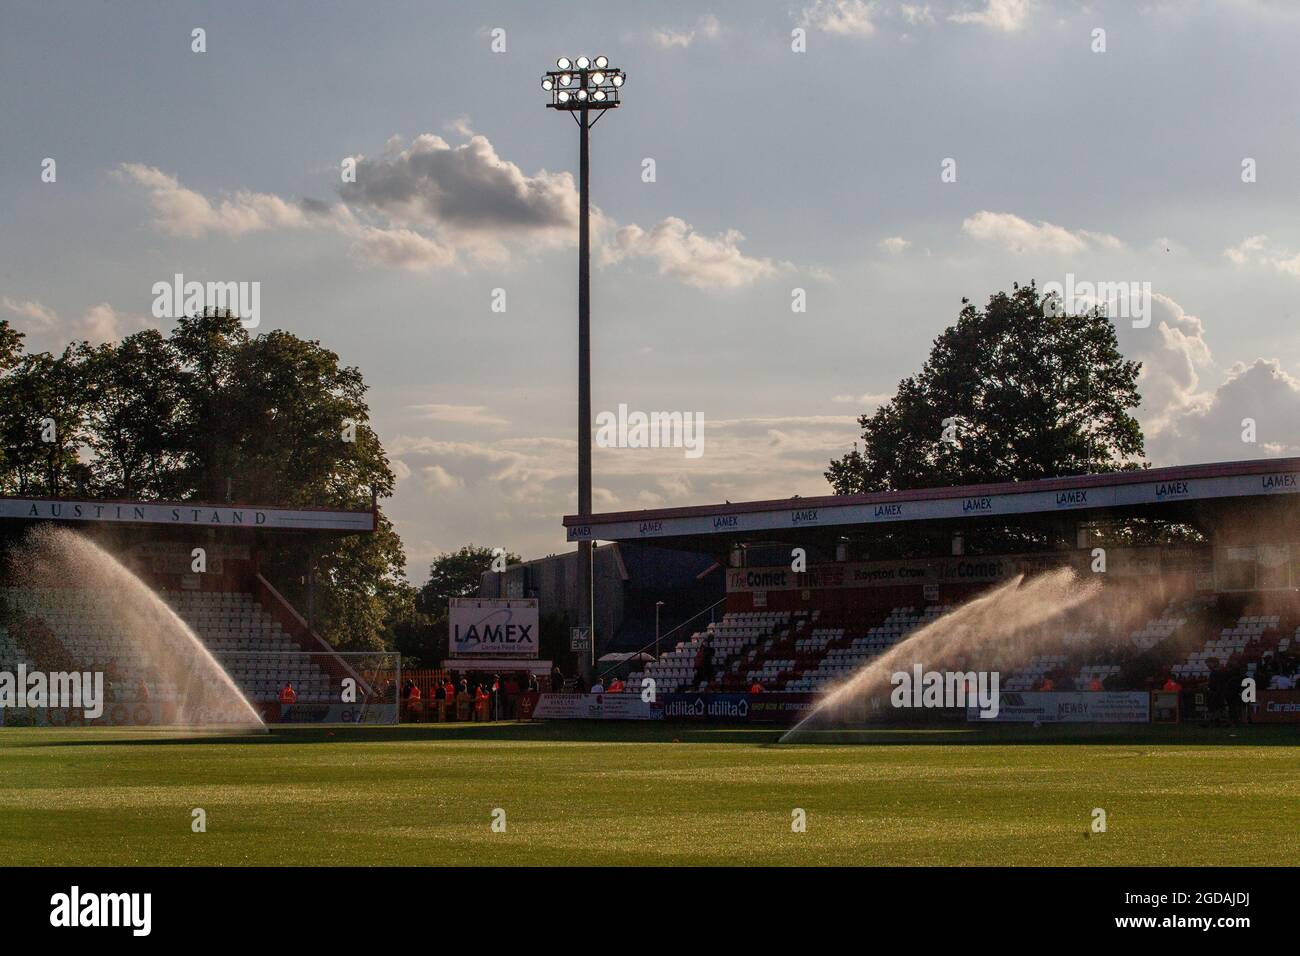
[{"x": 650, "y": 794}]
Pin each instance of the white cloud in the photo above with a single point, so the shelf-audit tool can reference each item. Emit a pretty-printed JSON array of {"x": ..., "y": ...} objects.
[
  {"x": 428, "y": 205},
  {"x": 180, "y": 211},
  {"x": 1007, "y": 16},
  {"x": 706, "y": 262},
  {"x": 41, "y": 315},
  {"x": 102, "y": 323},
  {"x": 99, "y": 323},
  {"x": 706, "y": 27},
  {"x": 894, "y": 244},
  {"x": 1257, "y": 250},
  {"x": 867, "y": 398},
  {"x": 916, "y": 13},
  {"x": 1020, "y": 235},
  {"x": 841, "y": 17},
  {"x": 1211, "y": 430},
  {"x": 477, "y": 415},
  {"x": 465, "y": 196},
  {"x": 400, "y": 249},
  {"x": 1172, "y": 362}
]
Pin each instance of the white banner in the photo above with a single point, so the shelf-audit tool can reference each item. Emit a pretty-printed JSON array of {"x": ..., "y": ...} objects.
[
  {"x": 595, "y": 707},
  {"x": 1065, "y": 707},
  {"x": 192, "y": 515},
  {"x": 493, "y": 627}
]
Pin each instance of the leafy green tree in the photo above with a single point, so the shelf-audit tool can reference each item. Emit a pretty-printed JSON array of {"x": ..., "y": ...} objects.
[
  {"x": 210, "y": 413},
  {"x": 43, "y": 425},
  {"x": 1009, "y": 393},
  {"x": 213, "y": 414},
  {"x": 133, "y": 418},
  {"x": 11, "y": 353},
  {"x": 456, "y": 574}
]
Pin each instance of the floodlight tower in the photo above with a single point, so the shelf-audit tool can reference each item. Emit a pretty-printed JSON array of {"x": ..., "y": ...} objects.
[{"x": 585, "y": 89}]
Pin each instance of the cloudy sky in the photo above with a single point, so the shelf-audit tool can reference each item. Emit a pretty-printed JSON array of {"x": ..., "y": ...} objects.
[{"x": 774, "y": 170}]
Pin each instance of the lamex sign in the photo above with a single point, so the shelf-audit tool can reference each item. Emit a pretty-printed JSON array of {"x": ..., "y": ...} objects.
[{"x": 493, "y": 627}]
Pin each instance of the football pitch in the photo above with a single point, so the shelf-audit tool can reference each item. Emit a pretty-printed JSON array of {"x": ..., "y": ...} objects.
[{"x": 652, "y": 794}]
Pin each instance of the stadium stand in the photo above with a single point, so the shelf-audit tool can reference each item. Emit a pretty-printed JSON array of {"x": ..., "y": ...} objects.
[
  {"x": 805, "y": 652},
  {"x": 73, "y": 629}
]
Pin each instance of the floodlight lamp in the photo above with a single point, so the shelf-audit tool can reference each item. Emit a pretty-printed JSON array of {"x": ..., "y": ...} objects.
[
  {"x": 565, "y": 79},
  {"x": 618, "y": 79},
  {"x": 563, "y": 97},
  {"x": 598, "y": 78},
  {"x": 563, "y": 63},
  {"x": 583, "y": 63},
  {"x": 547, "y": 84},
  {"x": 602, "y": 62}
]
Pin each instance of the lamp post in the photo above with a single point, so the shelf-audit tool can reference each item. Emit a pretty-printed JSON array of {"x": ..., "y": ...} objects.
[
  {"x": 585, "y": 89},
  {"x": 658, "y": 605}
]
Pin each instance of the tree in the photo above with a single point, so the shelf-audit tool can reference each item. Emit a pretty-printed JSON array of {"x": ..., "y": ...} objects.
[
  {"x": 209, "y": 413},
  {"x": 456, "y": 574},
  {"x": 43, "y": 422},
  {"x": 11, "y": 353},
  {"x": 1009, "y": 393},
  {"x": 134, "y": 412}
]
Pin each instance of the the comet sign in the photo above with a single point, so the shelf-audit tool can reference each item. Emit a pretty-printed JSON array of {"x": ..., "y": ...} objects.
[{"x": 493, "y": 627}]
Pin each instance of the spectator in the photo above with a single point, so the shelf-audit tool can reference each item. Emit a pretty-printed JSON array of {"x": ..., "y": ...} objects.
[
  {"x": 1171, "y": 684},
  {"x": 1095, "y": 683},
  {"x": 598, "y": 687},
  {"x": 756, "y": 688},
  {"x": 616, "y": 686},
  {"x": 438, "y": 705},
  {"x": 496, "y": 697},
  {"x": 1048, "y": 684},
  {"x": 450, "y": 690},
  {"x": 532, "y": 683},
  {"x": 288, "y": 697}
]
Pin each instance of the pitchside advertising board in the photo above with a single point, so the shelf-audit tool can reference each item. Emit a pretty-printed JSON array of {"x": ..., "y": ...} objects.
[
  {"x": 493, "y": 627},
  {"x": 1064, "y": 707},
  {"x": 776, "y": 708}
]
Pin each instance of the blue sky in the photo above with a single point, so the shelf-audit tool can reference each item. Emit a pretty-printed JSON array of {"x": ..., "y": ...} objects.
[{"x": 775, "y": 170}]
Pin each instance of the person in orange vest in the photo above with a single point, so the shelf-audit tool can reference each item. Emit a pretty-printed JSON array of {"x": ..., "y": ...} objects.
[
  {"x": 288, "y": 697},
  {"x": 449, "y": 689},
  {"x": 615, "y": 686},
  {"x": 415, "y": 703},
  {"x": 756, "y": 688},
  {"x": 480, "y": 703},
  {"x": 1095, "y": 683},
  {"x": 1172, "y": 684}
]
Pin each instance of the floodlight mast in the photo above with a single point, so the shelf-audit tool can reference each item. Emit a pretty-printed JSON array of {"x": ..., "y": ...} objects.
[{"x": 584, "y": 89}]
